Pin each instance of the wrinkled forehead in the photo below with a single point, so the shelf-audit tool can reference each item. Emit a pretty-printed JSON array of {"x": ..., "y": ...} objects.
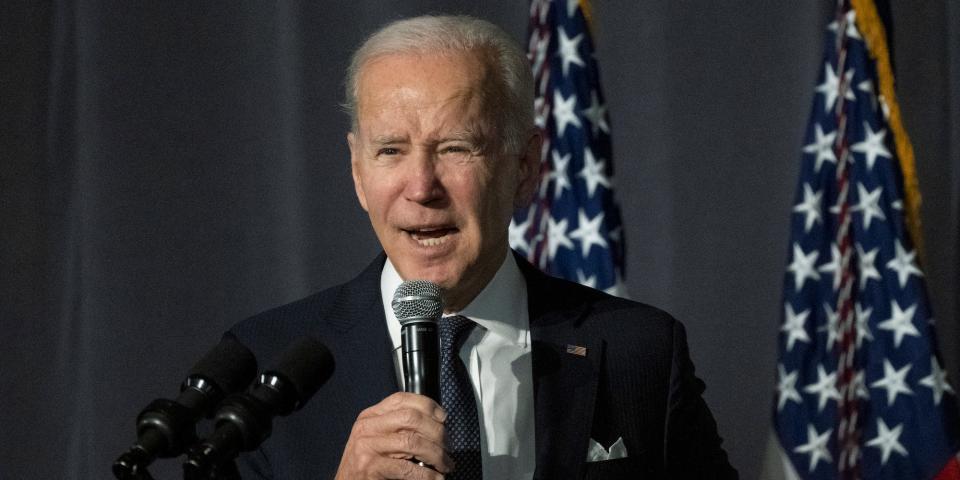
[{"x": 432, "y": 79}]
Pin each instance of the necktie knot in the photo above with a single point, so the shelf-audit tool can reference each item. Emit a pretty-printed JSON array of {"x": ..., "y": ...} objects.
[{"x": 453, "y": 331}]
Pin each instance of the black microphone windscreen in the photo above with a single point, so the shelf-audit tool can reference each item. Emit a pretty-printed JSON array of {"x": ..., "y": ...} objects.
[
  {"x": 229, "y": 365},
  {"x": 306, "y": 365}
]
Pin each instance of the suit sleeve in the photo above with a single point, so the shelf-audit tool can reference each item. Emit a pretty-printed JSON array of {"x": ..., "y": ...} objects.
[
  {"x": 692, "y": 445},
  {"x": 254, "y": 466}
]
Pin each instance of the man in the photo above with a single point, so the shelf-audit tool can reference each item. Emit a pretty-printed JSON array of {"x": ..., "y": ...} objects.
[{"x": 561, "y": 381}]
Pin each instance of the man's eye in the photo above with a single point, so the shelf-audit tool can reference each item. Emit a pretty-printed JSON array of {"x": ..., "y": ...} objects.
[{"x": 388, "y": 151}]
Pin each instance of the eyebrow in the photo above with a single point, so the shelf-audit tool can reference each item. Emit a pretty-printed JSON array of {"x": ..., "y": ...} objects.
[
  {"x": 459, "y": 136},
  {"x": 463, "y": 136},
  {"x": 388, "y": 139}
]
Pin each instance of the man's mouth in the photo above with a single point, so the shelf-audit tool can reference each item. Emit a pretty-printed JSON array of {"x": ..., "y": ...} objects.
[{"x": 431, "y": 236}]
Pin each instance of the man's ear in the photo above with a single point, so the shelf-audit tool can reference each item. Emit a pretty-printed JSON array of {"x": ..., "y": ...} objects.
[
  {"x": 355, "y": 158},
  {"x": 529, "y": 171}
]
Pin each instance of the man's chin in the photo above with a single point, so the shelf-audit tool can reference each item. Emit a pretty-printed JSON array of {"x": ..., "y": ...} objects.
[{"x": 438, "y": 274}]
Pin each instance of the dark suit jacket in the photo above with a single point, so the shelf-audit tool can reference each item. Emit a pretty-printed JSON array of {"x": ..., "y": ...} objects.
[{"x": 635, "y": 381}]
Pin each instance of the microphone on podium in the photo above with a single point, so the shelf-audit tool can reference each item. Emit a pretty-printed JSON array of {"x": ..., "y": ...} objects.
[
  {"x": 244, "y": 420},
  {"x": 165, "y": 428}
]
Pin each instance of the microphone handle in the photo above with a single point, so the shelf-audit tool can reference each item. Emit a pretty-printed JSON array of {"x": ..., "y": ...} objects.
[{"x": 420, "y": 344}]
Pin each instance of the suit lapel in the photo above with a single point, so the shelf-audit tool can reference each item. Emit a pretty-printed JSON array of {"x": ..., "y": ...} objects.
[
  {"x": 566, "y": 365},
  {"x": 357, "y": 318}
]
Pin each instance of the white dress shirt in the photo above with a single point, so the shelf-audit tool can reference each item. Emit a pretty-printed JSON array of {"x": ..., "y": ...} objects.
[{"x": 497, "y": 356}]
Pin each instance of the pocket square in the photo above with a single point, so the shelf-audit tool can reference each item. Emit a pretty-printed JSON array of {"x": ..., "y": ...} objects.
[{"x": 596, "y": 452}]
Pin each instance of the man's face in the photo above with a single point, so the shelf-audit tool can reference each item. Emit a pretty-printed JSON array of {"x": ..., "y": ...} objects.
[{"x": 429, "y": 168}]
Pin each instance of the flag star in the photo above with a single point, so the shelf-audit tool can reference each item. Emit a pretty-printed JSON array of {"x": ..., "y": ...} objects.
[
  {"x": 833, "y": 267},
  {"x": 795, "y": 326},
  {"x": 860, "y": 386},
  {"x": 582, "y": 279},
  {"x": 593, "y": 172},
  {"x": 863, "y": 323},
  {"x": 872, "y": 146},
  {"x": 563, "y": 112},
  {"x": 802, "y": 266},
  {"x": 903, "y": 263},
  {"x": 568, "y": 50},
  {"x": 867, "y": 269},
  {"x": 557, "y": 237},
  {"x": 588, "y": 232},
  {"x": 810, "y": 207},
  {"x": 832, "y": 326},
  {"x": 836, "y": 207},
  {"x": 597, "y": 114},
  {"x": 518, "y": 233},
  {"x": 900, "y": 323},
  {"x": 825, "y": 388},
  {"x": 936, "y": 381},
  {"x": 887, "y": 441},
  {"x": 866, "y": 86},
  {"x": 787, "y": 387},
  {"x": 572, "y": 6},
  {"x": 893, "y": 381},
  {"x": 619, "y": 288},
  {"x": 868, "y": 203},
  {"x": 851, "y": 25},
  {"x": 831, "y": 86},
  {"x": 816, "y": 446},
  {"x": 823, "y": 147},
  {"x": 558, "y": 174}
]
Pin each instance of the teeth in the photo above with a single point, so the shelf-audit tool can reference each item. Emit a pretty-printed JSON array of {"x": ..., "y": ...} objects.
[
  {"x": 429, "y": 241},
  {"x": 432, "y": 242}
]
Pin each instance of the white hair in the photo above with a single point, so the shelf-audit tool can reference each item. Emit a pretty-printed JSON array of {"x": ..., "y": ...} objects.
[{"x": 451, "y": 35}]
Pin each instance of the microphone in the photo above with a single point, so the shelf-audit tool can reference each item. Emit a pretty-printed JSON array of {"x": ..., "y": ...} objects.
[
  {"x": 166, "y": 427},
  {"x": 244, "y": 420},
  {"x": 418, "y": 305}
]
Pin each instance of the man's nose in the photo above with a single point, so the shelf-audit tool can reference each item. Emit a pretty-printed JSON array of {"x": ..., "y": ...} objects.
[{"x": 423, "y": 179}]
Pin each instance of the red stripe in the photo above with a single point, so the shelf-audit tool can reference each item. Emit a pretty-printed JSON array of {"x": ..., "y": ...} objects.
[
  {"x": 848, "y": 431},
  {"x": 950, "y": 472}
]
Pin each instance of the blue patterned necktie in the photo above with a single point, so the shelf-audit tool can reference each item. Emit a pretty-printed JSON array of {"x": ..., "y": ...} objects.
[{"x": 457, "y": 398}]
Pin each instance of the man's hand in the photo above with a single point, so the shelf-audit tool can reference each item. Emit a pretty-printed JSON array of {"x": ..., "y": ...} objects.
[{"x": 388, "y": 435}]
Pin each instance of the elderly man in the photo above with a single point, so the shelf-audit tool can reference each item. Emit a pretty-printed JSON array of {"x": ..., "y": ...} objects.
[{"x": 547, "y": 379}]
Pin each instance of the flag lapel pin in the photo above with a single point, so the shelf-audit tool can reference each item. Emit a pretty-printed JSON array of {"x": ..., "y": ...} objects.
[{"x": 577, "y": 350}]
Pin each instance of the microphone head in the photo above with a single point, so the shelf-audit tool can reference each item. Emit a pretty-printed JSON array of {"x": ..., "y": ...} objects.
[
  {"x": 229, "y": 366},
  {"x": 417, "y": 300},
  {"x": 302, "y": 368}
]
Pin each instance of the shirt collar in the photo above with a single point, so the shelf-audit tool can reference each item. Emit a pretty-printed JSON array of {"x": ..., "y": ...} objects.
[{"x": 500, "y": 308}]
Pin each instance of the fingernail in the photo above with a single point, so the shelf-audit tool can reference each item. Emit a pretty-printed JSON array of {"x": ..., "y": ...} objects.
[{"x": 440, "y": 414}]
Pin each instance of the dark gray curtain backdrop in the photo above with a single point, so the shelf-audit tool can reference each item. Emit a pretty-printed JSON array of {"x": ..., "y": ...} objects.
[{"x": 169, "y": 168}]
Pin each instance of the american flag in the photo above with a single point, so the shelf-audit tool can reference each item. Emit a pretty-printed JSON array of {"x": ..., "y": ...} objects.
[
  {"x": 572, "y": 229},
  {"x": 861, "y": 392}
]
